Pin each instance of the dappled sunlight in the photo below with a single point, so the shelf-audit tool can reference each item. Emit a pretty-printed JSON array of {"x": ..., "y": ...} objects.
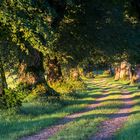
[
  {"x": 110, "y": 104},
  {"x": 95, "y": 105},
  {"x": 69, "y": 69},
  {"x": 93, "y": 115}
]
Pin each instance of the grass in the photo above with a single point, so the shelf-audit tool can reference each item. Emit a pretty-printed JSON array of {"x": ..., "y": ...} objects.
[
  {"x": 131, "y": 129},
  {"x": 82, "y": 128},
  {"x": 34, "y": 116}
]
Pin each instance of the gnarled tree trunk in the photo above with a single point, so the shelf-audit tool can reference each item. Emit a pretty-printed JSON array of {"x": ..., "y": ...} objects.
[
  {"x": 117, "y": 73},
  {"x": 123, "y": 71},
  {"x": 54, "y": 73},
  {"x": 32, "y": 73},
  {"x": 31, "y": 69}
]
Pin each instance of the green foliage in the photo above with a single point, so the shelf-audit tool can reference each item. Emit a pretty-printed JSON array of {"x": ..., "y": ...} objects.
[
  {"x": 90, "y": 75},
  {"x": 40, "y": 115},
  {"x": 10, "y": 99},
  {"x": 86, "y": 33},
  {"x": 79, "y": 33},
  {"x": 68, "y": 86}
]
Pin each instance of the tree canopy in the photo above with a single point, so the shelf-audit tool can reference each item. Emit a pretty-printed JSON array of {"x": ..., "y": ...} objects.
[{"x": 50, "y": 37}]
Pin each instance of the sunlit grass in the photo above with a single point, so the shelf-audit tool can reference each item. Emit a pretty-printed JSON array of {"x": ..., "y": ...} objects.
[
  {"x": 131, "y": 129},
  {"x": 79, "y": 129},
  {"x": 34, "y": 116},
  {"x": 86, "y": 125}
]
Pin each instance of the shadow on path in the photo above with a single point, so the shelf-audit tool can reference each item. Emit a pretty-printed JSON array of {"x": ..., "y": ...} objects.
[{"x": 108, "y": 127}]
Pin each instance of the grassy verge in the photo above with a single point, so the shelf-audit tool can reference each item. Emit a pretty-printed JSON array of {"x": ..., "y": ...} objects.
[
  {"x": 131, "y": 129},
  {"x": 82, "y": 128},
  {"x": 34, "y": 116}
]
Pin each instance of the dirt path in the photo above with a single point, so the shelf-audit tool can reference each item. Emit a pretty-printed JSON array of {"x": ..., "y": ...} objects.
[
  {"x": 48, "y": 132},
  {"x": 107, "y": 129}
]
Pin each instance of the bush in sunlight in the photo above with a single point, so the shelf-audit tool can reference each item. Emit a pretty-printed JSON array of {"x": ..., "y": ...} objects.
[
  {"x": 90, "y": 75},
  {"x": 68, "y": 86}
]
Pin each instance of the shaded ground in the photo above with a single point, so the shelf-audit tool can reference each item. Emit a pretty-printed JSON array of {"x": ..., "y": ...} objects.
[
  {"x": 46, "y": 133},
  {"x": 112, "y": 120},
  {"x": 115, "y": 121}
]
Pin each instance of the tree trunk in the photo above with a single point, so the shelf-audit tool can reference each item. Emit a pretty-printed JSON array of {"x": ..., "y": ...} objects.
[
  {"x": 31, "y": 69},
  {"x": 123, "y": 71},
  {"x": 32, "y": 73},
  {"x": 117, "y": 73},
  {"x": 3, "y": 78},
  {"x": 54, "y": 73},
  {"x": 135, "y": 77},
  {"x": 74, "y": 74}
]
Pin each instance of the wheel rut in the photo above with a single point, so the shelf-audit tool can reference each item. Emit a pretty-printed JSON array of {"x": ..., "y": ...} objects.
[
  {"x": 107, "y": 129},
  {"x": 116, "y": 121}
]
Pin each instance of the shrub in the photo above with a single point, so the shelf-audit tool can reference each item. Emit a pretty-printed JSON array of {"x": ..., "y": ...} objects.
[
  {"x": 68, "y": 86},
  {"x": 39, "y": 92},
  {"x": 90, "y": 75},
  {"x": 10, "y": 99}
]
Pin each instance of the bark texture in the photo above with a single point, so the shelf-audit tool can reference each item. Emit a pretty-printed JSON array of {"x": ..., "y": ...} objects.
[
  {"x": 74, "y": 74},
  {"x": 31, "y": 69},
  {"x": 135, "y": 77},
  {"x": 54, "y": 73},
  {"x": 123, "y": 71},
  {"x": 2, "y": 79}
]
